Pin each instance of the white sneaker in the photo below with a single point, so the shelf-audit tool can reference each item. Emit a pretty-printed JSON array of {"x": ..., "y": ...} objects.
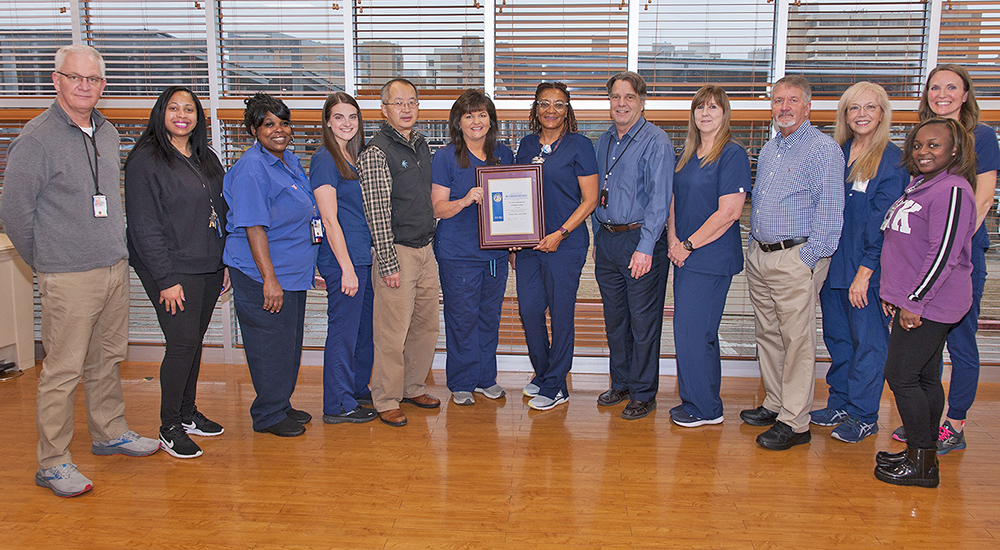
[
  {"x": 530, "y": 390},
  {"x": 64, "y": 480},
  {"x": 542, "y": 403},
  {"x": 493, "y": 392},
  {"x": 128, "y": 443},
  {"x": 463, "y": 398}
]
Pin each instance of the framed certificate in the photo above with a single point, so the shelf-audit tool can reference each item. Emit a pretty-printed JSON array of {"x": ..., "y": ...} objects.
[{"x": 511, "y": 213}]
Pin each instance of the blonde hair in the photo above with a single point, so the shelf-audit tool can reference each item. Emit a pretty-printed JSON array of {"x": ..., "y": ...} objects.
[
  {"x": 693, "y": 139},
  {"x": 866, "y": 166}
]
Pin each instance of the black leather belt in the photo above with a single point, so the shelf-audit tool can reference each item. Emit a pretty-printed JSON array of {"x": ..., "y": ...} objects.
[
  {"x": 619, "y": 228},
  {"x": 787, "y": 243}
]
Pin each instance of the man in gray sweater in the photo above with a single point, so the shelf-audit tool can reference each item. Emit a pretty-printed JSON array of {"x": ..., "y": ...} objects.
[{"x": 62, "y": 209}]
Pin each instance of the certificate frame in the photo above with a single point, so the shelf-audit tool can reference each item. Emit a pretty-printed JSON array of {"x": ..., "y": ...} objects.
[{"x": 517, "y": 191}]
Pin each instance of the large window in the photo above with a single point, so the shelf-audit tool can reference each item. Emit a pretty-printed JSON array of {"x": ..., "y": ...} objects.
[
  {"x": 437, "y": 45},
  {"x": 685, "y": 45},
  {"x": 30, "y": 33},
  {"x": 578, "y": 42},
  {"x": 970, "y": 36},
  {"x": 836, "y": 43}
]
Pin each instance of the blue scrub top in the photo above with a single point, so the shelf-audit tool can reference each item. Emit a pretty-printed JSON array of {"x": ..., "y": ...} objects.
[
  {"x": 262, "y": 190},
  {"x": 987, "y": 158},
  {"x": 865, "y": 205},
  {"x": 457, "y": 238},
  {"x": 574, "y": 157},
  {"x": 350, "y": 210},
  {"x": 696, "y": 197}
]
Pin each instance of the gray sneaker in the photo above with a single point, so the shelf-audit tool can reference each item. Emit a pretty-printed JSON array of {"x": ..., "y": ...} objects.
[
  {"x": 530, "y": 390},
  {"x": 128, "y": 443},
  {"x": 463, "y": 398},
  {"x": 493, "y": 392},
  {"x": 64, "y": 480},
  {"x": 542, "y": 403}
]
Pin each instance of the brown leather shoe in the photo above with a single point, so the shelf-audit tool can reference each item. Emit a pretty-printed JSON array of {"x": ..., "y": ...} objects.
[
  {"x": 393, "y": 417},
  {"x": 425, "y": 401}
]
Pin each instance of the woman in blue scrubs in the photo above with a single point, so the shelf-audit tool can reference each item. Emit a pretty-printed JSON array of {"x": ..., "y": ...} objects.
[
  {"x": 472, "y": 280},
  {"x": 345, "y": 262},
  {"x": 711, "y": 178},
  {"x": 949, "y": 93},
  {"x": 855, "y": 329},
  {"x": 272, "y": 257},
  {"x": 548, "y": 275}
]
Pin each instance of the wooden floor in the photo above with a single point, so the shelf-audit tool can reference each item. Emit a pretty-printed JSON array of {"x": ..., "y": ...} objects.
[{"x": 494, "y": 475}]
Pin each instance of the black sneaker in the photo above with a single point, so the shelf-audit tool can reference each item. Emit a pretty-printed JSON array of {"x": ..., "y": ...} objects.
[
  {"x": 175, "y": 441},
  {"x": 359, "y": 415},
  {"x": 199, "y": 425}
]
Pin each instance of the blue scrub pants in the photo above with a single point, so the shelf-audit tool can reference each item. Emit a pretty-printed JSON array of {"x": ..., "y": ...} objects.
[
  {"x": 343, "y": 330},
  {"x": 364, "y": 351},
  {"x": 273, "y": 346},
  {"x": 473, "y": 296},
  {"x": 633, "y": 311},
  {"x": 699, "y": 300},
  {"x": 858, "y": 342},
  {"x": 962, "y": 345},
  {"x": 549, "y": 281}
]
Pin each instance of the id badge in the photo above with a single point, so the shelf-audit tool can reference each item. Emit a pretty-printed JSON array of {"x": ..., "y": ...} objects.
[
  {"x": 860, "y": 186},
  {"x": 100, "y": 206},
  {"x": 603, "y": 201},
  {"x": 316, "y": 227}
]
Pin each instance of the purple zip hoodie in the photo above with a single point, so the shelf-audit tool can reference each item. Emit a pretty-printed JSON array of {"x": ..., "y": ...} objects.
[{"x": 927, "y": 254}]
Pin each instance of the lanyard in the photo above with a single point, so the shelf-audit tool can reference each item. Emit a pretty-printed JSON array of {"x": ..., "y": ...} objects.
[
  {"x": 94, "y": 164},
  {"x": 607, "y": 154}
]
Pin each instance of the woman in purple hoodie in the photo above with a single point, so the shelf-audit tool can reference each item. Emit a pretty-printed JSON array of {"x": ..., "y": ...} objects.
[{"x": 926, "y": 286}]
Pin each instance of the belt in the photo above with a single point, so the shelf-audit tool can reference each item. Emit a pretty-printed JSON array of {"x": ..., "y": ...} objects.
[
  {"x": 619, "y": 228},
  {"x": 787, "y": 243}
]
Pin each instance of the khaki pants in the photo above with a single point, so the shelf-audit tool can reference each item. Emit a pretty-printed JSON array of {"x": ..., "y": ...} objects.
[
  {"x": 783, "y": 291},
  {"x": 85, "y": 335},
  {"x": 405, "y": 324}
]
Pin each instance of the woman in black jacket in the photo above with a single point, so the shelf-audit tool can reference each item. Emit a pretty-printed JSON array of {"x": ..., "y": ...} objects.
[{"x": 176, "y": 220}]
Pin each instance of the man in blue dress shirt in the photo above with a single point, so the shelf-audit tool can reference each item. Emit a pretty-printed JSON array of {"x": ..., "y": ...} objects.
[
  {"x": 635, "y": 164},
  {"x": 795, "y": 221}
]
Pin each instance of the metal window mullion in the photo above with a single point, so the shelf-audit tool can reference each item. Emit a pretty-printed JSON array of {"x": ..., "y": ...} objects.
[
  {"x": 933, "y": 34},
  {"x": 76, "y": 27},
  {"x": 632, "y": 44},
  {"x": 780, "y": 39},
  {"x": 350, "y": 73},
  {"x": 489, "y": 47}
]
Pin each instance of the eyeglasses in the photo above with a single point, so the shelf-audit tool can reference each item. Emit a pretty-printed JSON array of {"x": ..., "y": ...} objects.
[
  {"x": 398, "y": 104},
  {"x": 558, "y": 105},
  {"x": 77, "y": 79},
  {"x": 856, "y": 109}
]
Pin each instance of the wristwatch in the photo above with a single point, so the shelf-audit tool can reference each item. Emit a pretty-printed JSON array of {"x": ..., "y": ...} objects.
[
  {"x": 564, "y": 232},
  {"x": 686, "y": 243}
]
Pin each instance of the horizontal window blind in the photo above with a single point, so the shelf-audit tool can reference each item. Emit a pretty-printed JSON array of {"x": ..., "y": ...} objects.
[
  {"x": 288, "y": 48},
  {"x": 581, "y": 43},
  {"x": 30, "y": 33},
  {"x": 836, "y": 43},
  {"x": 148, "y": 45},
  {"x": 683, "y": 46},
  {"x": 970, "y": 36},
  {"x": 437, "y": 45}
]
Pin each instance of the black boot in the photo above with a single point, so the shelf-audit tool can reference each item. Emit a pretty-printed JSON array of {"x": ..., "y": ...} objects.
[
  {"x": 883, "y": 458},
  {"x": 920, "y": 467}
]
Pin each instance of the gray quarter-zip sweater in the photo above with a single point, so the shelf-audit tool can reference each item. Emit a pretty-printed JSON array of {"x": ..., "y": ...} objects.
[{"x": 47, "y": 203}]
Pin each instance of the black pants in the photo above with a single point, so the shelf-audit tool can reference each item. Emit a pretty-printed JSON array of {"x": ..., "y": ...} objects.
[
  {"x": 913, "y": 370},
  {"x": 183, "y": 332}
]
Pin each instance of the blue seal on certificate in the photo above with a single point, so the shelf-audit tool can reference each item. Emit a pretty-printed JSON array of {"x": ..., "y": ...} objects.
[{"x": 498, "y": 206}]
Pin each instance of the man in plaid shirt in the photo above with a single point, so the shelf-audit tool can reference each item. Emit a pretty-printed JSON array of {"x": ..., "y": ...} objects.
[{"x": 395, "y": 174}]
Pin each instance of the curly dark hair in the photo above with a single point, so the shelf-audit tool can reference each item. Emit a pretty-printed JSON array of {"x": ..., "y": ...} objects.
[
  {"x": 535, "y": 125},
  {"x": 257, "y": 108}
]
